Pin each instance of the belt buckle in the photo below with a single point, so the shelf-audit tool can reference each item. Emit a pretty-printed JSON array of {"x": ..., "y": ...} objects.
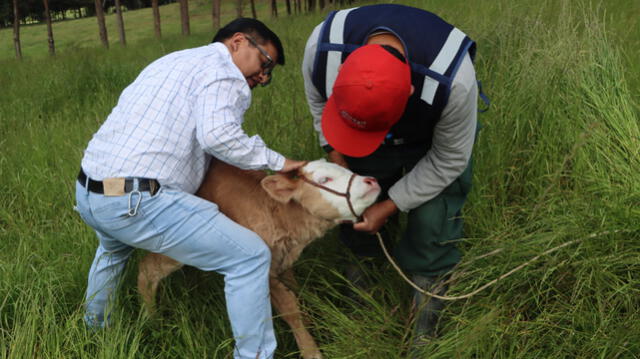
[{"x": 113, "y": 186}]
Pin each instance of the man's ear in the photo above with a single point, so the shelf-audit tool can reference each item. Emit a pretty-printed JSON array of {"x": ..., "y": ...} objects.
[
  {"x": 235, "y": 40},
  {"x": 279, "y": 187},
  {"x": 413, "y": 89}
]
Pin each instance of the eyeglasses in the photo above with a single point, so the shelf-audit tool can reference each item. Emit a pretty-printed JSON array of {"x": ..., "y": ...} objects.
[{"x": 267, "y": 66}]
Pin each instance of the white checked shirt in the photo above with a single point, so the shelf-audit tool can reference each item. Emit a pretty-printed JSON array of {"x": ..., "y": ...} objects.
[{"x": 181, "y": 108}]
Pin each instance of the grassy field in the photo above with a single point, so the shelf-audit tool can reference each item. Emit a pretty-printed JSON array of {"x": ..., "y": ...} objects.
[
  {"x": 71, "y": 35},
  {"x": 558, "y": 160}
]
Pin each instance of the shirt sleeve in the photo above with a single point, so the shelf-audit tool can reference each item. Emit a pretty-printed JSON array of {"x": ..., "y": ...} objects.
[
  {"x": 219, "y": 112},
  {"x": 315, "y": 101},
  {"x": 453, "y": 139}
]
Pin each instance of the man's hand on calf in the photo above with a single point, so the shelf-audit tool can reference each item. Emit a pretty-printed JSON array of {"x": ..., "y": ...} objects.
[{"x": 376, "y": 216}]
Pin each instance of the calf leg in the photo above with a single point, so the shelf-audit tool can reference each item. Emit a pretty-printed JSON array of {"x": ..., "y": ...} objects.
[
  {"x": 286, "y": 304},
  {"x": 151, "y": 270}
]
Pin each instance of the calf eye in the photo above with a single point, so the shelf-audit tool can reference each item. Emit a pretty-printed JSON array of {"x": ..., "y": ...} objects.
[{"x": 324, "y": 180}]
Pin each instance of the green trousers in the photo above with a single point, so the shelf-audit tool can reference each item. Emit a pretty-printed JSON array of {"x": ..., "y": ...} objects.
[{"x": 426, "y": 246}]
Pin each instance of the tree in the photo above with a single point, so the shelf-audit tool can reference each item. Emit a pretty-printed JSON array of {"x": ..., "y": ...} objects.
[
  {"x": 215, "y": 14},
  {"x": 253, "y": 9},
  {"x": 274, "y": 8},
  {"x": 101, "y": 24},
  {"x": 47, "y": 17},
  {"x": 123, "y": 40},
  {"x": 239, "y": 8},
  {"x": 184, "y": 16},
  {"x": 156, "y": 18},
  {"x": 16, "y": 30},
  {"x": 288, "y": 3}
]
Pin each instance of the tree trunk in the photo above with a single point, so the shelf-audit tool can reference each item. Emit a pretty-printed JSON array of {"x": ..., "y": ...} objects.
[
  {"x": 321, "y": 4},
  {"x": 16, "y": 30},
  {"x": 123, "y": 40},
  {"x": 215, "y": 14},
  {"x": 156, "y": 18},
  {"x": 298, "y": 6},
  {"x": 274, "y": 8},
  {"x": 253, "y": 9},
  {"x": 47, "y": 18},
  {"x": 288, "y": 2},
  {"x": 239, "y": 8},
  {"x": 101, "y": 24},
  {"x": 184, "y": 16}
]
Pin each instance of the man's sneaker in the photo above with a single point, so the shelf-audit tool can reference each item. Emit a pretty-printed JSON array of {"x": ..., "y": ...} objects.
[{"x": 94, "y": 321}]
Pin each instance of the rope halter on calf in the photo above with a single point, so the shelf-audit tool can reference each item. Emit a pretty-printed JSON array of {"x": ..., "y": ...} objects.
[{"x": 346, "y": 195}]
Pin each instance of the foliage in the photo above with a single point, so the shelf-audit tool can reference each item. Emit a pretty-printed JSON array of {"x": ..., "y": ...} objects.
[{"x": 557, "y": 160}]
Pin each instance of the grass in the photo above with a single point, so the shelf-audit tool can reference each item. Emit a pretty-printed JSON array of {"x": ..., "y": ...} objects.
[
  {"x": 557, "y": 160},
  {"x": 71, "y": 35}
]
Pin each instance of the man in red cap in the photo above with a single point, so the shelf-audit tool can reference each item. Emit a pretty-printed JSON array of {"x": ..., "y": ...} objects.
[{"x": 393, "y": 93}]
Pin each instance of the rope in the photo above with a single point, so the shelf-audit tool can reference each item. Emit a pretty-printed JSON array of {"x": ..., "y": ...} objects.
[{"x": 464, "y": 296}]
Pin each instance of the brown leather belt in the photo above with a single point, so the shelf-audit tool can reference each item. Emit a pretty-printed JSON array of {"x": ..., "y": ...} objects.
[{"x": 118, "y": 186}]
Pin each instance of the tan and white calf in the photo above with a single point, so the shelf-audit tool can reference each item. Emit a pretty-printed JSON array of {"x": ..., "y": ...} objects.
[{"x": 288, "y": 213}]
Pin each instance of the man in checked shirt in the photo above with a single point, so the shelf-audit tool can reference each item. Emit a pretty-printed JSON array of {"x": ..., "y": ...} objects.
[{"x": 141, "y": 169}]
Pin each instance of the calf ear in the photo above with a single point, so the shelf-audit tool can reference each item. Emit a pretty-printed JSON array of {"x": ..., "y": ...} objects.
[{"x": 279, "y": 187}]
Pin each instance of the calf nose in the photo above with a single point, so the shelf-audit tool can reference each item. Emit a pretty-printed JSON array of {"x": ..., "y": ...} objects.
[{"x": 370, "y": 181}]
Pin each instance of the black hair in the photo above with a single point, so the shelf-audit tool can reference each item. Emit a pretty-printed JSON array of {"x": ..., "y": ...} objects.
[
  {"x": 394, "y": 52},
  {"x": 252, "y": 27}
]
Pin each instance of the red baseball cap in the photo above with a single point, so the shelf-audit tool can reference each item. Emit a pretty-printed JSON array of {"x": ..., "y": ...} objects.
[{"x": 369, "y": 97}]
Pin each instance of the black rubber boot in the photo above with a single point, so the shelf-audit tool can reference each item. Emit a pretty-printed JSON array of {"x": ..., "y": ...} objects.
[
  {"x": 361, "y": 276},
  {"x": 357, "y": 276},
  {"x": 427, "y": 311}
]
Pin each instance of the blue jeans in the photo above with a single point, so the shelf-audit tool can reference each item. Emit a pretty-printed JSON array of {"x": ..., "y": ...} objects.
[{"x": 192, "y": 231}]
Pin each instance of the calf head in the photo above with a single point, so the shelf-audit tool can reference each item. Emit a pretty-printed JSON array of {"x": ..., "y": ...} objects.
[{"x": 326, "y": 190}]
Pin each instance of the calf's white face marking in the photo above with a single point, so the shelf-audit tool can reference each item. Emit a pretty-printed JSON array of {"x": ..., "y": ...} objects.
[{"x": 363, "y": 191}]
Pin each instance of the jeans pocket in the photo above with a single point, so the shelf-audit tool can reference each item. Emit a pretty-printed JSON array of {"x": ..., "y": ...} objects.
[
  {"x": 84, "y": 215},
  {"x": 112, "y": 213}
]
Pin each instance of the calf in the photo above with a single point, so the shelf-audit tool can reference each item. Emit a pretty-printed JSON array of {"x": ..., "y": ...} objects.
[{"x": 287, "y": 213}]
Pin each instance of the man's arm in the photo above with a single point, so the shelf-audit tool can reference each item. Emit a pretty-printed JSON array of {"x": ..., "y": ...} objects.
[
  {"x": 448, "y": 157},
  {"x": 453, "y": 140},
  {"x": 315, "y": 101},
  {"x": 219, "y": 111}
]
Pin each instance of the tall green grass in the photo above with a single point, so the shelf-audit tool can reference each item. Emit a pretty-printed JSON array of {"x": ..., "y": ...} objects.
[{"x": 557, "y": 161}]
